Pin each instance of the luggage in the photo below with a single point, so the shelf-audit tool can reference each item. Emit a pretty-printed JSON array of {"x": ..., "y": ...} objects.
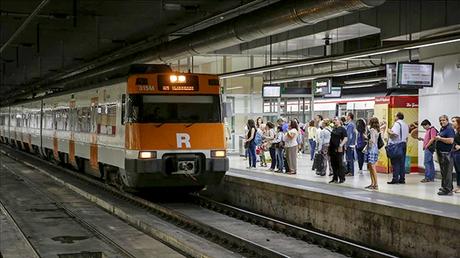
[{"x": 318, "y": 163}]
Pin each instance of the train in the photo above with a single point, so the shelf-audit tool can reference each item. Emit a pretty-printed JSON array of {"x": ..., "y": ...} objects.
[{"x": 151, "y": 129}]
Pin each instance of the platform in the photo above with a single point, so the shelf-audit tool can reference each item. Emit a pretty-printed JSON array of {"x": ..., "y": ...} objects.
[
  {"x": 408, "y": 220},
  {"x": 413, "y": 187}
]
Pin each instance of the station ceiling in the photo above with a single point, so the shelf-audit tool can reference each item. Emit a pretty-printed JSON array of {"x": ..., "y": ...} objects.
[
  {"x": 68, "y": 33},
  {"x": 75, "y": 34}
]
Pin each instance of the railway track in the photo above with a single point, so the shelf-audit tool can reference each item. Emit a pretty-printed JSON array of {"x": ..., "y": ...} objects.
[{"x": 243, "y": 232}]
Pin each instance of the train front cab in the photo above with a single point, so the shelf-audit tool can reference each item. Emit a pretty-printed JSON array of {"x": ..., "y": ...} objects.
[{"x": 174, "y": 133}]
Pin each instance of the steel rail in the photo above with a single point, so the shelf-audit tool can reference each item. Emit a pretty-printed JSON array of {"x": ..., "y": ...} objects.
[
  {"x": 85, "y": 224},
  {"x": 223, "y": 238},
  {"x": 312, "y": 237}
]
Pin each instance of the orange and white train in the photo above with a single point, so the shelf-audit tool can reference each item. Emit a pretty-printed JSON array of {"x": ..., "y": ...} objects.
[{"x": 155, "y": 129}]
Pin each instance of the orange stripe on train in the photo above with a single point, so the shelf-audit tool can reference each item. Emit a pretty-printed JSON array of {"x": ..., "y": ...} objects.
[{"x": 200, "y": 136}]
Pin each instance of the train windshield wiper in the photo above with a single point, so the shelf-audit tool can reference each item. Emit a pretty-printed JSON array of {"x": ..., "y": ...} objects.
[
  {"x": 189, "y": 125},
  {"x": 160, "y": 125}
]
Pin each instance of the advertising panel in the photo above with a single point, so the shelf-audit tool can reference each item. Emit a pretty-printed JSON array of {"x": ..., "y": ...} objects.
[{"x": 386, "y": 109}]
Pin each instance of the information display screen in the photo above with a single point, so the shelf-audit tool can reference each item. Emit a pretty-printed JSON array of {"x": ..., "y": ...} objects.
[
  {"x": 336, "y": 92},
  {"x": 415, "y": 74},
  {"x": 271, "y": 91},
  {"x": 322, "y": 86}
]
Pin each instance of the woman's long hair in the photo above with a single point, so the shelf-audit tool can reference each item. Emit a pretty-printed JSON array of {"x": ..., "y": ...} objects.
[
  {"x": 251, "y": 124},
  {"x": 361, "y": 125},
  {"x": 294, "y": 124},
  {"x": 374, "y": 123}
]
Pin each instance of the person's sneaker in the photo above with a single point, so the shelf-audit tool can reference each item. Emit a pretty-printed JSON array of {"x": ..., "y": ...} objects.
[
  {"x": 375, "y": 187},
  {"x": 248, "y": 167},
  {"x": 368, "y": 187},
  {"x": 360, "y": 172},
  {"x": 332, "y": 181},
  {"x": 444, "y": 193},
  {"x": 424, "y": 180},
  {"x": 348, "y": 174},
  {"x": 402, "y": 182},
  {"x": 392, "y": 182},
  {"x": 457, "y": 190}
]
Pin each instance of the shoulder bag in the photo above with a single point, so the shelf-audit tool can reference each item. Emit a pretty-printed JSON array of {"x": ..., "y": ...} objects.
[{"x": 395, "y": 150}]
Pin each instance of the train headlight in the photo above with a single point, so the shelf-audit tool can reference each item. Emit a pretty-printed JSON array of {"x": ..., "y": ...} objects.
[
  {"x": 181, "y": 78},
  {"x": 147, "y": 154},
  {"x": 173, "y": 78},
  {"x": 218, "y": 154}
]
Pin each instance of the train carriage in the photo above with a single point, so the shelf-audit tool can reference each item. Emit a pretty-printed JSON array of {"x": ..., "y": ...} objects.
[{"x": 153, "y": 129}]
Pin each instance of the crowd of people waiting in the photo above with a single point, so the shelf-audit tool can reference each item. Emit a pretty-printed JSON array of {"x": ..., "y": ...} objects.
[{"x": 335, "y": 144}]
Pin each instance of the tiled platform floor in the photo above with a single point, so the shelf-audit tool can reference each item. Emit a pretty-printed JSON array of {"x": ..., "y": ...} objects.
[{"x": 413, "y": 188}]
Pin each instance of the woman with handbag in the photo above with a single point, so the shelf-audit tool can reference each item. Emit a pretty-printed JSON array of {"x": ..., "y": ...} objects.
[
  {"x": 250, "y": 144},
  {"x": 291, "y": 145},
  {"x": 269, "y": 138},
  {"x": 429, "y": 142},
  {"x": 323, "y": 144},
  {"x": 279, "y": 149},
  {"x": 361, "y": 142},
  {"x": 372, "y": 151}
]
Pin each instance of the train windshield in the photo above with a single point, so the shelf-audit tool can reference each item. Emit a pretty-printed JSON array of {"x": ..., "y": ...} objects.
[{"x": 174, "y": 109}]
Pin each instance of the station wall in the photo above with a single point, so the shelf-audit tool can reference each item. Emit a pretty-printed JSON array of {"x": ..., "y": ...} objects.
[{"x": 444, "y": 97}]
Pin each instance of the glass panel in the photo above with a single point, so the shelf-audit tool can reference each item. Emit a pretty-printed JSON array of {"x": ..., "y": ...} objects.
[{"x": 174, "y": 109}]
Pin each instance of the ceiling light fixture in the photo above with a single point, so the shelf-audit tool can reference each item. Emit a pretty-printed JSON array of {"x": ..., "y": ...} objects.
[
  {"x": 309, "y": 63},
  {"x": 360, "y": 86},
  {"x": 364, "y": 80},
  {"x": 231, "y": 76},
  {"x": 266, "y": 70},
  {"x": 433, "y": 44},
  {"x": 235, "y": 88},
  {"x": 369, "y": 54}
]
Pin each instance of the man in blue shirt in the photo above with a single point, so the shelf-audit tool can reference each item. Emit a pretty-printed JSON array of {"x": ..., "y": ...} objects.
[
  {"x": 351, "y": 143},
  {"x": 444, "y": 143}
]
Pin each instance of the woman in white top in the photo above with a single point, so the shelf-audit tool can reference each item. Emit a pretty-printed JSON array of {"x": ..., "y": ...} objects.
[
  {"x": 324, "y": 137},
  {"x": 312, "y": 131},
  {"x": 372, "y": 152},
  {"x": 290, "y": 145}
]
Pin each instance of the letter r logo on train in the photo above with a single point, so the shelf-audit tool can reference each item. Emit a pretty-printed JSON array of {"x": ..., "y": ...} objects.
[{"x": 183, "y": 138}]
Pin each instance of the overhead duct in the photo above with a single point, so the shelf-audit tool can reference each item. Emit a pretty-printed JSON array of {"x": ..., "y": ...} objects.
[
  {"x": 273, "y": 19},
  {"x": 279, "y": 17}
]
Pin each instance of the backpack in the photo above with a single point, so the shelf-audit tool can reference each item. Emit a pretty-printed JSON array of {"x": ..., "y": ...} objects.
[{"x": 258, "y": 138}]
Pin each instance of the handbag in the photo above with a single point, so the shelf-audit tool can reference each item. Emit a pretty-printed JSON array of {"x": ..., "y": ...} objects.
[
  {"x": 380, "y": 142},
  {"x": 246, "y": 145},
  {"x": 395, "y": 150}
]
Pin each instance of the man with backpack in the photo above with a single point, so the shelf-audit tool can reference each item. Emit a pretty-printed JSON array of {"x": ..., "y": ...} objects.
[{"x": 429, "y": 148}]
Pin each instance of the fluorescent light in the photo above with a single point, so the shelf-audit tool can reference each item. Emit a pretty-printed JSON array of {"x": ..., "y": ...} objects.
[
  {"x": 309, "y": 63},
  {"x": 369, "y": 54},
  {"x": 234, "y": 88},
  {"x": 377, "y": 79},
  {"x": 359, "y": 86},
  {"x": 231, "y": 76},
  {"x": 433, "y": 44},
  {"x": 355, "y": 72},
  {"x": 266, "y": 70}
]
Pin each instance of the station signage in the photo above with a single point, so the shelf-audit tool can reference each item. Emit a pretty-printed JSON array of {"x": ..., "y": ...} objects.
[{"x": 322, "y": 86}]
